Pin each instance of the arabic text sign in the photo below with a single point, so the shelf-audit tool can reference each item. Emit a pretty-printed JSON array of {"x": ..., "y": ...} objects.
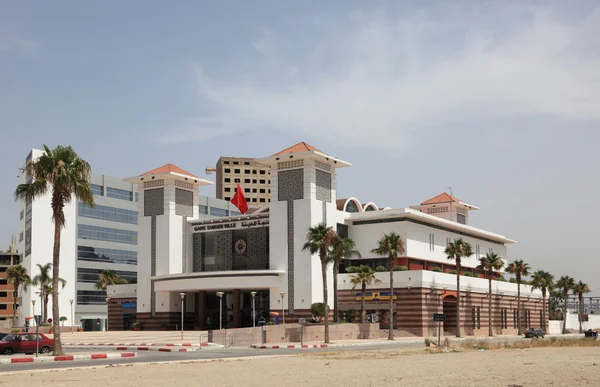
[
  {"x": 231, "y": 225},
  {"x": 376, "y": 296}
]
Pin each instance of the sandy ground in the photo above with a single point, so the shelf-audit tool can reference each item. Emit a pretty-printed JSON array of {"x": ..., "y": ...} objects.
[{"x": 525, "y": 367}]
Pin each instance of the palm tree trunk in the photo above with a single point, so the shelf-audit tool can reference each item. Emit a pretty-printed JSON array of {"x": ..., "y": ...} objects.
[
  {"x": 544, "y": 309},
  {"x": 580, "y": 313},
  {"x": 391, "y": 327},
  {"x": 519, "y": 319},
  {"x": 362, "y": 303},
  {"x": 55, "y": 276},
  {"x": 324, "y": 273},
  {"x": 16, "y": 286},
  {"x": 336, "y": 270},
  {"x": 458, "y": 297},
  {"x": 566, "y": 295},
  {"x": 46, "y": 296},
  {"x": 491, "y": 333}
]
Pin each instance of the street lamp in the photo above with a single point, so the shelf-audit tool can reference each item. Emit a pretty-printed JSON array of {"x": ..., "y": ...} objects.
[
  {"x": 33, "y": 303},
  {"x": 282, "y": 309},
  {"x": 220, "y": 294},
  {"x": 107, "y": 307},
  {"x": 182, "y": 295},
  {"x": 253, "y": 310},
  {"x": 71, "y": 301}
]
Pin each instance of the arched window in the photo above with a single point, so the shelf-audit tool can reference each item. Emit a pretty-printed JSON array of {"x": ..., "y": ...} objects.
[
  {"x": 370, "y": 208},
  {"x": 351, "y": 207}
]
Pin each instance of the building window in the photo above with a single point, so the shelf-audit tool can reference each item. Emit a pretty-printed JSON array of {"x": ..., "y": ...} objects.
[
  {"x": 97, "y": 190},
  {"x": 478, "y": 318},
  {"x": 262, "y": 200},
  {"x": 236, "y": 171},
  {"x": 93, "y": 275},
  {"x": 247, "y": 190},
  {"x": 460, "y": 218},
  {"x": 227, "y": 198},
  {"x": 227, "y": 170},
  {"x": 226, "y": 162},
  {"x": 431, "y": 242},
  {"x": 515, "y": 318},
  {"x": 253, "y": 190},
  {"x": 3, "y": 294},
  {"x": 98, "y": 254},
  {"x": 247, "y": 200},
  {"x": 227, "y": 180},
  {"x": 253, "y": 181},
  {"x": 119, "y": 194},
  {"x": 542, "y": 322},
  {"x": 107, "y": 213},
  {"x": 221, "y": 212},
  {"x": 85, "y": 231},
  {"x": 262, "y": 190},
  {"x": 3, "y": 281},
  {"x": 473, "y": 318},
  {"x": 262, "y": 182},
  {"x": 247, "y": 181},
  {"x": 202, "y": 209},
  {"x": 253, "y": 200},
  {"x": 91, "y": 297},
  {"x": 262, "y": 172},
  {"x": 236, "y": 180},
  {"x": 247, "y": 171},
  {"x": 351, "y": 207},
  {"x": 236, "y": 163},
  {"x": 227, "y": 189},
  {"x": 3, "y": 306},
  {"x": 247, "y": 163},
  {"x": 254, "y": 171}
]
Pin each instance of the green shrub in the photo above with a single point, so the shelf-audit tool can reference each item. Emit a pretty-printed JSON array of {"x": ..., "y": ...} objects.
[
  {"x": 318, "y": 309},
  {"x": 351, "y": 315},
  {"x": 138, "y": 324},
  {"x": 452, "y": 272},
  {"x": 512, "y": 280},
  {"x": 352, "y": 269},
  {"x": 469, "y": 274},
  {"x": 400, "y": 268},
  {"x": 15, "y": 330},
  {"x": 437, "y": 269},
  {"x": 381, "y": 268}
]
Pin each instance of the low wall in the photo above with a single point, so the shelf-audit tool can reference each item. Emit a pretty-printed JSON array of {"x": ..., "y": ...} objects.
[
  {"x": 593, "y": 322},
  {"x": 290, "y": 333}
]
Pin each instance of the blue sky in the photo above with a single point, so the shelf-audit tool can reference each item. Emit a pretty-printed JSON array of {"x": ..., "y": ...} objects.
[{"x": 499, "y": 100}]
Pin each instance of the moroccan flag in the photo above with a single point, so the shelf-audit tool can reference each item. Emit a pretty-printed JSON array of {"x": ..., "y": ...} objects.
[{"x": 239, "y": 200}]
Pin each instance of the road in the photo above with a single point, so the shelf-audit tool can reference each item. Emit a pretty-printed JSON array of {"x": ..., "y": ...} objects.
[{"x": 160, "y": 357}]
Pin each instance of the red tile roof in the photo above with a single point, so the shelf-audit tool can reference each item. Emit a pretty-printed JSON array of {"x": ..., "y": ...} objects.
[
  {"x": 169, "y": 168},
  {"x": 441, "y": 198},
  {"x": 300, "y": 147}
]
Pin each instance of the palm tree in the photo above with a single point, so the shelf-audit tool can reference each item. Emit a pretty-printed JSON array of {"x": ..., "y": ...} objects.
[
  {"x": 342, "y": 248},
  {"x": 490, "y": 262},
  {"x": 318, "y": 241},
  {"x": 579, "y": 290},
  {"x": 363, "y": 276},
  {"x": 390, "y": 245},
  {"x": 565, "y": 284},
  {"x": 63, "y": 174},
  {"x": 543, "y": 280},
  {"x": 43, "y": 280},
  {"x": 456, "y": 251},
  {"x": 519, "y": 269},
  {"x": 108, "y": 277},
  {"x": 17, "y": 275}
]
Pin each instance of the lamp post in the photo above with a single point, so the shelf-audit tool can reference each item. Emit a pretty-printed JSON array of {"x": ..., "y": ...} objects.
[
  {"x": 107, "y": 307},
  {"x": 282, "y": 309},
  {"x": 72, "y": 323},
  {"x": 33, "y": 304},
  {"x": 220, "y": 294},
  {"x": 253, "y": 310},
  {"x": 37, "y": 331},
  {"x": 182, "y": 295}
]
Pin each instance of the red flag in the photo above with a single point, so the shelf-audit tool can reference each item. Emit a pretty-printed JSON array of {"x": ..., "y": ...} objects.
[{"x": 239, "y": 200}]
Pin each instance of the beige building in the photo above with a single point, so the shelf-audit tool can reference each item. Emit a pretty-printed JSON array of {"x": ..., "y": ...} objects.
[{"x": 253, "y": 177}]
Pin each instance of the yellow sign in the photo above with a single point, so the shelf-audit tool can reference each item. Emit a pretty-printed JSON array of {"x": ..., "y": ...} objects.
[{"x": 376, "y": 296}]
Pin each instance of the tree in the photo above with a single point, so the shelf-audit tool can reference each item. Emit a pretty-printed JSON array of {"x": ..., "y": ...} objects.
[
  {"x": 363, "y": 276},
  {"x": 108, "y": 277},
  {"x": 579, "y": 290},
  {"x": 565, "y": 284},
  {"x": 18, "y": 277},
  {"x": 318, "y": 241},
  {"x": 317, "y": 309},
  {"x": 490, "y": 262},
  {"x": 519, "y": 269},
  {"x": 391, "y": 246},
  {"x": 63, "y": 174},
  {"x": 341, "y": 248},
  {"x": 545, "y": 281},
  {"x": 456, "y": 251},
  {"x": 43, "y": 279},
  {"x": 62, "y": 320}
]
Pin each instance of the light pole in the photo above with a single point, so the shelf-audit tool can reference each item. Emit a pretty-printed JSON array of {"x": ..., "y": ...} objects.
[
  {"x": 282, "y": 309},
  {"x": 37, "y": 331},
  {"x": 71, "y": 301},
  {"x": 33, "y": 304},
  {"x": 220, "y": 294},
  {"x": 253, "y": 310},
  {"x": 182, "y": 295},
  {"x": 107, "y": 307}
]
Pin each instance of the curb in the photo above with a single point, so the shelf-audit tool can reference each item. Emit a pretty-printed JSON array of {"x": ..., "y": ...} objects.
[
  {"x": 96, "y": 356},
  {"x": 143, "y": 345},
  {"x": 134, "y": 348},
  {"x": 292, "y": 346}
]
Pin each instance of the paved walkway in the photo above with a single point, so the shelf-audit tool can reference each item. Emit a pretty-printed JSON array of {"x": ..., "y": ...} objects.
[{"x": 19, "y": 359}]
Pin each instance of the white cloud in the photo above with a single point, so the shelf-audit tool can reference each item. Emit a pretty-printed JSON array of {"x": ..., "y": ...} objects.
[
  {"x": 377, "y": 79},
  {"x": 15, "y": 45}
]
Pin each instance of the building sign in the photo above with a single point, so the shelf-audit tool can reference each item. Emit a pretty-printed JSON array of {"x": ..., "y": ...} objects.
[
  {"x": 231, "y": 225},
  {"x": 376, "y": 296},
  {"x": 129, "y": 304}
]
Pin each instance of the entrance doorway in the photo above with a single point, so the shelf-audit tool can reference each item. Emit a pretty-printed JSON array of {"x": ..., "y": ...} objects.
[{"x": 449, "y": 305}]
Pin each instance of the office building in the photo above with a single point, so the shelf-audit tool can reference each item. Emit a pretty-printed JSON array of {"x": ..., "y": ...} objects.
[
  {"x": 7, "y": 296},
  {"x": 253, "y": 177}
]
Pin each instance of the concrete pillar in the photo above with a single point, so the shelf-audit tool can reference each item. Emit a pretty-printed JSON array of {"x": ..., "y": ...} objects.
[
  {"x": 201, "y": 310},
  {"x": 237, "y": 316}
]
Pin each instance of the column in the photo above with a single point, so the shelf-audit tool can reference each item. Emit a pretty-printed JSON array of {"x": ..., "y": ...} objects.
[
  {"x": 201, "y": 310},
  {"x": 237, "y": 316}
]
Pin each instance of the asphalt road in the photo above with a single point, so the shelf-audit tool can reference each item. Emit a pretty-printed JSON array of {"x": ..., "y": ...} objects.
[{"x": 159, "y": 357}]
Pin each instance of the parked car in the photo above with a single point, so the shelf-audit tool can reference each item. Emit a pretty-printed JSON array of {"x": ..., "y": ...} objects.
[
  {"x": 531, "y": 333},
  {"x": 25, "y": 343}
]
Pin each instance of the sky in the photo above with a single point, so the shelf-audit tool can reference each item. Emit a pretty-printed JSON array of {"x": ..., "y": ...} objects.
[{"x": 499, "y": 100}]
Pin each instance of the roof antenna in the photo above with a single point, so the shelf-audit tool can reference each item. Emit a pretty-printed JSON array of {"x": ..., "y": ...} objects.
[{"x": 450, "y": 189}]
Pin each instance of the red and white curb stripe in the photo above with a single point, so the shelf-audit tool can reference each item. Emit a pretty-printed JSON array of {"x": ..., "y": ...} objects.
[
  {"x": 144, "y": 348},
  {"x": 143, "y": 345},
  {"x": 291, "y": 346},
  {"x": 45, "y": 359}
]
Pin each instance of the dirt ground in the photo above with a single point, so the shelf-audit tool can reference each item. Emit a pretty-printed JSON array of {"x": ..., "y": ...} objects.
[{"x": 505, "y": 367}]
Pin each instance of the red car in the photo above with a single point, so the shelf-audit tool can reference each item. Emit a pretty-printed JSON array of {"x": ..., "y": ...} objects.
[{"x": 25, "y": 343}]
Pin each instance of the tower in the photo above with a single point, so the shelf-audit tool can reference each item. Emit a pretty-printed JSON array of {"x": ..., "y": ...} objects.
[
  {"x": 168, "y": 196},
  {"x": 303, "y": 194}
]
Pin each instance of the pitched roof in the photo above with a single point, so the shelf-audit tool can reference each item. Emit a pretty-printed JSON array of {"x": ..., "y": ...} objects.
[
  {"x": 300, "y": 147},
  {"x": 441, "y": 198},
  {"x": 169, "y": 168}
]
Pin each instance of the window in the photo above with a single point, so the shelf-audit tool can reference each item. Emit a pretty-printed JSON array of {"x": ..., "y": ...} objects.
[
  {"x": 253, "y": 181},
  {"x": 3, "y": 307},
  {"x": 247, "y": 171},
  {"x": 253, "y": 190},
  {"x": 247, "y": 190},
  {"x": 3, "y": 269},
  {"x": 226, "y": 162},
  {"x": 514, "y": 318},
  {"x": 3, "y": 294},
  {"x": 85, "y": 231},
  {"x": 236, "y": 180},
  {"x": 473, "y": 318},
  {"x": 236, "y": 171},
  {"x": 3, "y": 281},
  {"x": 342, "y": 230},
  {"x": 262, "y": 200},
  {"x": 137, "y": 197},
  {"x": 227, "y": 189},
  {"x": 351, "y": 207},
  {"x": 107, "y": 213},
  {"x": 504, "y": 318},
  {"x": 253, "y": 200},
  {"x": 91, "y": 297},
  {"x": 431, "y": 242},
  {"x": 227, "y": 180},
  {"x": 478, "y": 318},
  {"x": 99, "y": 254},
  {"x": 247, "y": 163},
  {"x": 236, "y": 163},
  {"x": 218, "y": 212},
  {"x": 93, "y": 275},
  {"x": 460, "y": 218},
  {"x": 97, "y": 190},
  {"x": 247, "y": 200},
  {"x": 202, "y": 209},
  {"x": 119, "y": 194},
  {"x": 262, "y": 172},
  {"x": 227, "y": 198},
  {"x": 541, "y": 319},
  {"x": 262, "y": 190},
  {"x": 262, "y": 182},
  {"x": 254, "y": 171},
  {"x": 247, "y": 181},
  {"x": 227, "y": 170}
]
